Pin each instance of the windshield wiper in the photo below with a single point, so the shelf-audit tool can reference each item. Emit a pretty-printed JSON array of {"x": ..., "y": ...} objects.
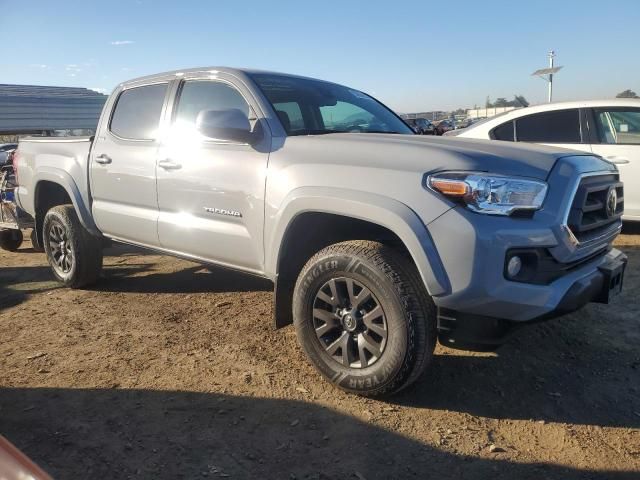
[
  {"x": 380, "y": 131},
  {"x": 314, "y": 132},
  {"x": 326, "y": 132}
]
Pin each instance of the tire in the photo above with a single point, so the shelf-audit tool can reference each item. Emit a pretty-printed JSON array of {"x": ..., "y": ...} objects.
[
  {"x": 35, "y": 244},
  {"x": 75, "y": 256},
  {"x": 10, "y": 240},
  {"x": 402, "y": 330}
]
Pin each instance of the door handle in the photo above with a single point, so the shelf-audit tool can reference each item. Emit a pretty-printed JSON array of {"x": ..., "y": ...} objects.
[
  {"x": 103, "y": 159},
  {"x": 618, "y": 160},
  {"x": 169, "y": 165}
]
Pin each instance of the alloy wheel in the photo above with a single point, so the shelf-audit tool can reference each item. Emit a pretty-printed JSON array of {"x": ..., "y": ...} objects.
[
  {"x": 61, "y": 249},
  {"x": 350, "y": 322}
]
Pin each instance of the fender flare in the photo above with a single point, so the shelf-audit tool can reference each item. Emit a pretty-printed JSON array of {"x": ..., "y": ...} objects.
[
  {"x": 378, "y": 209},
  {"x": 66, "y": 181}
]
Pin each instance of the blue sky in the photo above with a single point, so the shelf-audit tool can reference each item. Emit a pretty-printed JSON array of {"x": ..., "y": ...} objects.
[{"x": 413, "y": 56}]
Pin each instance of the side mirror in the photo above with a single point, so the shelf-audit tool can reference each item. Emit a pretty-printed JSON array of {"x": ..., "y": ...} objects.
[{"x": 232, "y": 125}]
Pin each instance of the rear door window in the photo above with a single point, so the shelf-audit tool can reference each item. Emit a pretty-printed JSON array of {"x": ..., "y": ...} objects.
[
  {"x": 560, "y": 126},
  {"x": 136, "y": 115}
]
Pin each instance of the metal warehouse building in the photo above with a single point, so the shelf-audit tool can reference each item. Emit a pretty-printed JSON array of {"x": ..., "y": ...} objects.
[{"x": 32, "y": 109}]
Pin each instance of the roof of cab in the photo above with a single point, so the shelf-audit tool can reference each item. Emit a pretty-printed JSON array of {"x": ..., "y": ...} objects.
[{"x": 237, "y": 72}]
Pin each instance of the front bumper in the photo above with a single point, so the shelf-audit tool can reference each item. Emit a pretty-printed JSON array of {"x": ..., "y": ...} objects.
[
  {"x": 473, "y": 249},
  {"x": 478, "y": 332}
]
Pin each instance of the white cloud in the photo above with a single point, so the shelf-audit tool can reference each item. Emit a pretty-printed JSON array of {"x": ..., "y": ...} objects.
[
  {"x": 72, "y": 69},
  {"x": 98, "y": 89},
  {"x": 38, "y": 65},
  {"x": 122, "y": 42}
]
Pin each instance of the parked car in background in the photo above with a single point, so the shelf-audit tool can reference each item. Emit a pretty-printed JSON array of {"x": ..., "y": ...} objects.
[
  {"x": 421, "y": 126},
  {"x": 610, "y": 128},
  {"x": 467, "y": 122},
  {"x": 377, "y": 240},
  {"x": 444, "y": 126}
]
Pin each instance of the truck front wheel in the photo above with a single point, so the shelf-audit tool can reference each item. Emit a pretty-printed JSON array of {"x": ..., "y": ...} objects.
[
  {"x": 74, "y": 254},
  {"x": 364, "y": 318}
]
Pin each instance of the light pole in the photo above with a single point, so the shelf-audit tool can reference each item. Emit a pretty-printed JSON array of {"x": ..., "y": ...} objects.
[
  {"x": 547, "y": 74},
  {"x": 552, "y": 55}
]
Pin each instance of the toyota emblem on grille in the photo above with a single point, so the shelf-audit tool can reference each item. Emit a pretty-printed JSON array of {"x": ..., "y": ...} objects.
[{"x": 612, "y": 202}]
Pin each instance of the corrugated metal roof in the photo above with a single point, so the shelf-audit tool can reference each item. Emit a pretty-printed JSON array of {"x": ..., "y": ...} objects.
[{"x": 33, "y": 108}]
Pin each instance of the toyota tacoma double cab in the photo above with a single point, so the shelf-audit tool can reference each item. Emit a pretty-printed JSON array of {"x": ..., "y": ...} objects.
[{"x": 378, "y": 241}]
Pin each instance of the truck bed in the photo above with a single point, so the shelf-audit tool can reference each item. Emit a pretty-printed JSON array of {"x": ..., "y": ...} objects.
[{"x": 40, "y": 155}]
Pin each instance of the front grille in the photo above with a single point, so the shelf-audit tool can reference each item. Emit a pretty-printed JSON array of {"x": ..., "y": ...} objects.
[{"x": 595, "y": 208}]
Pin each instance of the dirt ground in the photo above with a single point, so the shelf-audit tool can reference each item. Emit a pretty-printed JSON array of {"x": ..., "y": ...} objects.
[{"x": 167, "y": 369}]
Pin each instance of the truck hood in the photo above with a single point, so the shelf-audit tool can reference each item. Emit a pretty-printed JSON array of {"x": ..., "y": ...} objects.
[{"x": 430, "y": 154}]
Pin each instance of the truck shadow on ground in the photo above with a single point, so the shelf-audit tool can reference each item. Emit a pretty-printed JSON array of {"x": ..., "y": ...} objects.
[
  {"x": 568, "y": 371},
  {"x": 17, "y": 283},
  {"x": 194, "y": 278},
  {"x": 133, "y": 278},
  {"x": 75, "y": 433},
  {"x": 500, "y": 388}
]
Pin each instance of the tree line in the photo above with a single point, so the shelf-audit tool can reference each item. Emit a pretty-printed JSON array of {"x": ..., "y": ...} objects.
[
  {"x": 500, "y": 102},
  {"x": 627, "y": 94}
]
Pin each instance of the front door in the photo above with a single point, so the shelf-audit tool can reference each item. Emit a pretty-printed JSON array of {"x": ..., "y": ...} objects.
[
  {"x": 211, "y": 192},
  {"x": 618, "y": 134},
  {"x": 123, "y": 166}
]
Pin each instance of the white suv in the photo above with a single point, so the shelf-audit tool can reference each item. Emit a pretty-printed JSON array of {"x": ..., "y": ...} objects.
[{"x": 610, "y": 128}]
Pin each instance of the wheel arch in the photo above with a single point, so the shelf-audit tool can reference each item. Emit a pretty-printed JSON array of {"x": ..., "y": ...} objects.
[
  {"x": 55, "y": 187},
  {"x": 344, "y": 214}
]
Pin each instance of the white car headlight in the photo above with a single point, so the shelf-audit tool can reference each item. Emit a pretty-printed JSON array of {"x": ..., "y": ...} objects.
[{"x": 490, "y": 194}]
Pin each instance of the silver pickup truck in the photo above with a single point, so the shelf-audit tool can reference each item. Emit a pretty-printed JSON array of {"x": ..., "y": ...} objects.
[{"x": 378, "y": 241}]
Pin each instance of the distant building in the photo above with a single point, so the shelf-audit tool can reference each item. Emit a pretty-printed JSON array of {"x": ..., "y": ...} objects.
[
  {"x": 472, "y": 113},
  {"x": 433, "y": 116},
  {"x": 488, "y": 111},
  {"x": 32, "y": 109}
]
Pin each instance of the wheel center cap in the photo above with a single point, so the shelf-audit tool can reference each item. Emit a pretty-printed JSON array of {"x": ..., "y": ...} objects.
[{"x": 350, "y": 322}]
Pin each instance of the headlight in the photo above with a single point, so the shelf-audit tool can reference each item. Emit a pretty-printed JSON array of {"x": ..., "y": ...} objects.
[{"x": 490, "y": 194}]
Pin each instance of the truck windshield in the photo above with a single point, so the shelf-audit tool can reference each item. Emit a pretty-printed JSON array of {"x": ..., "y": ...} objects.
[{"x": 313, "y": 107}]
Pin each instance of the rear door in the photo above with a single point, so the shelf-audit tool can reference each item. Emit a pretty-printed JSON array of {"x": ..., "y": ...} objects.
[
  {"x": 210, "y": 191},
  {"x": 123, "y": 165},
  {"x": 617, "y": 139}
]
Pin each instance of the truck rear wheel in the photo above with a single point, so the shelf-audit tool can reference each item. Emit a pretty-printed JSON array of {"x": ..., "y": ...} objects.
[
  {"x": 364, "y": 318},
  {"x": 10, "y": 240},
  {"x": 74, "y": 254}
]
